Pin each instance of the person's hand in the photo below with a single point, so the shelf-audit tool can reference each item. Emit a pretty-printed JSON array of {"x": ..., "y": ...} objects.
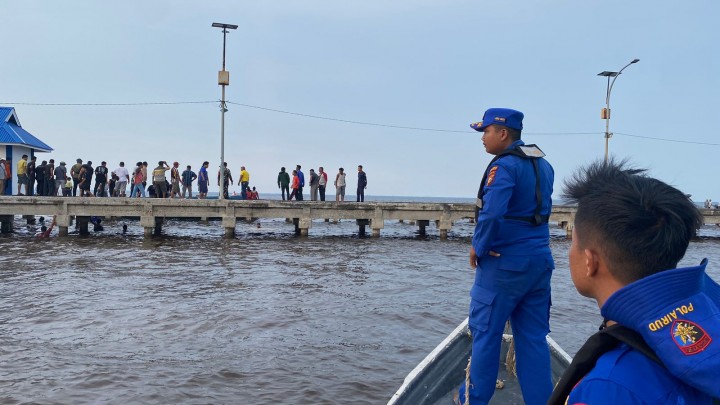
[
  {"x": 494, "y": 254},
  {"x": 473, "y": 258}
]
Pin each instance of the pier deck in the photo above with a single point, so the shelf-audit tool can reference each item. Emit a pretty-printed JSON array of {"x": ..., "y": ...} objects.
[{"x": 152, "y": 211}]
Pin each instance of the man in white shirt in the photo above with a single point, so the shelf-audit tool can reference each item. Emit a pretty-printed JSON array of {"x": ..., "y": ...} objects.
[{"x": 124, "y": 177}]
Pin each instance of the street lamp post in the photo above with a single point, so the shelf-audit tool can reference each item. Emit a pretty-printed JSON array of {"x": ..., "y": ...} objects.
[
  {"x": 223, "y": 80},
  {"x": 605, "y": 112}
]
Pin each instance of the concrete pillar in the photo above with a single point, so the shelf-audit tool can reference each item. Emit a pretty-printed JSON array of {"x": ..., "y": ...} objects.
[
  {"x": 304, "y": 224},
  {"x": 568, "y": 231},
  {"x": 444, "y": 225},
  {"x": 30, "y": 219},
  {"x": 422, "y": 223},
  {"x": 229, "y": 224},
  {"x": 63, "y": 223},
  {"x": 327, "y": 219},
  {"x": 6, "y": 223},
  {"x": 361, "y": 225},
  {"x": 377, "y": 224},
  {"x": 148, "y": 224},
  {"x": 82, "y": 224}
]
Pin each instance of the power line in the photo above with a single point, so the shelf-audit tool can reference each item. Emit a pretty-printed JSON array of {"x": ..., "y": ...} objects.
[
  {"x": 667, "y": 140},
  {"x": 396, "y": 126},
  {"x": 110, "y": 104},
  {"x": 349, "y": 121}
]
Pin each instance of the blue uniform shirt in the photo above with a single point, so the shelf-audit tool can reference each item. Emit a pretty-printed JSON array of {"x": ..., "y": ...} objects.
[
  {"x": 301, "y": 177},
  {"x": 625, "y": 376},
  {"x": 510, "y": 191}
]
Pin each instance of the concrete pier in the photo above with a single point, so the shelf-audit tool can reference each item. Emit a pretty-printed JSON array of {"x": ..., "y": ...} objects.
[{"x": 152, "y": 211}]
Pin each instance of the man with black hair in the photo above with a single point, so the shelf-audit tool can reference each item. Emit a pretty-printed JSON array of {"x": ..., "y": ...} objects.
[
  {"x": 512, "y": 260},
  {"x": 31, "y": 175},
  {"x": 75, "y": 175},
  {"x": 40, "y": 177},
  {"x": 86, "y": 174},
  {"x": 101, "y": 179},
  {"x": 660, "y": 340},
  {"x": 301, "y": 178}
]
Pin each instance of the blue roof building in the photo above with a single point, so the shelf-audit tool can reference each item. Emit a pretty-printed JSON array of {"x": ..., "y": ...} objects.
[
  {"x": 11, "y": 133},
  {"x": 15, "y": 141}
]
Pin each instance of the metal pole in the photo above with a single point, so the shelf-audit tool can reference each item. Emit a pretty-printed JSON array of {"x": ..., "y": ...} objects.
[
  {"x": 222, "y": 129},
  {"x": 607, "y": 119},
  {"x": 607, "y": 105}
]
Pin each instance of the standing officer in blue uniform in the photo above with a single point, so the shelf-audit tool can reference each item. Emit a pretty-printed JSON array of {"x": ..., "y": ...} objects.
[
  {"x": 660, "y": 341},
  {"x": 511, "y": 254}
]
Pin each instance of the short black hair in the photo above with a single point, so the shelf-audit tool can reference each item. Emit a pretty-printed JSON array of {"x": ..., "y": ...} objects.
[{"x": 642, "y": 225}]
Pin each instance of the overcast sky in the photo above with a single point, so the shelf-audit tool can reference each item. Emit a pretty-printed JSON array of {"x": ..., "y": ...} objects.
[{"x": 423, "y": 64}]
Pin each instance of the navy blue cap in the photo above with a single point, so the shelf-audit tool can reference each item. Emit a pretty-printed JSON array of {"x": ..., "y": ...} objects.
[{"x": 500, "y": 116}]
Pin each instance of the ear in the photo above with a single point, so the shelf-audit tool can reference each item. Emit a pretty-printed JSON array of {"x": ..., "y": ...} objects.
[
  {"x": 503, "y": 133},
  {"x": 592, "y": 262}
]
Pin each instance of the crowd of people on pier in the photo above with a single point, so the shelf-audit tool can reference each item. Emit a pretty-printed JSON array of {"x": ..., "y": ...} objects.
[
  {"x": 318, "y": 184},
  {"x": 49, "y": 179}
]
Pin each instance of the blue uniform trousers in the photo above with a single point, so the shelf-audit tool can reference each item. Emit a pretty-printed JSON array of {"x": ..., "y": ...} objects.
[{"x": 515, "y": 288}]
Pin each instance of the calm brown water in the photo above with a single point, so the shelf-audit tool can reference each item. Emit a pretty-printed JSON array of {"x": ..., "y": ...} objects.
[{"x": 266, "y": 318}]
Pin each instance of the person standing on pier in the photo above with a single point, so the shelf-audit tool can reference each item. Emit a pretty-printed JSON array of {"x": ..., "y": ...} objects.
[
  {"x": 60, "y": 178},
  {"x": 295, "y": 185},
  {"x": 8, "y": 176},
  {"x": 322, "y": 183},
  {"x": 227, "y": 181},
  {"x": 85, "y": 176},
  {"x": 50, "y": 178},
  {"x": 31, "y": 176},
  {"x": 340, "y": 185},
  {"x": 101, "y": 179},
  {"x": 361, "y": 185},
  {"x": 658, "y": 342},
  {"x": 314, "y": 183},
  {"x": 175, "y": 180},
  {"x": 159, "y": 180},
  {"x": 75, "y": 174},
  {"x": 123, "y": 177},
  {"x": 203, "y": 180},
  {"x": 188, "y": 176},
  {"x": 244, "y": 182},
  {"x": 137, "y": 190},
  {"x": 40, "y": 178},
  {"x": 513, "y": 264},
  {"x": 301, "y": 178},
  {"x": 3, "y": 176},
  {"x": 22, "y": 174},
  {"x": 284, "y": 183}
]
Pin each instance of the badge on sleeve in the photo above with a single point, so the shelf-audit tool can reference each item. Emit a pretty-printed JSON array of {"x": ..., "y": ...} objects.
[
  {"x": 689, "y": 337},
  {"x": 491, "y": 176}
]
